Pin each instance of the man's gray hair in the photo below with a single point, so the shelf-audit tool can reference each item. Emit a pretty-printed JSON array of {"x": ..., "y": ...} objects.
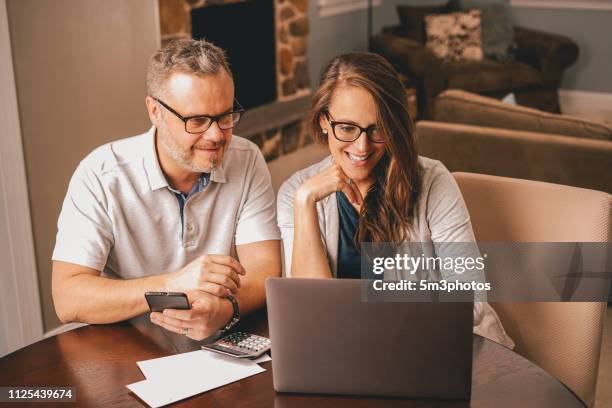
[{"x": 198, "y": 57}]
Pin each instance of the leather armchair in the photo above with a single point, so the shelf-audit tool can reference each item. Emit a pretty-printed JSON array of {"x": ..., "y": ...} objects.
[
  {"x": 551, "y": 54},
  {"x": 533, "y": 75}
]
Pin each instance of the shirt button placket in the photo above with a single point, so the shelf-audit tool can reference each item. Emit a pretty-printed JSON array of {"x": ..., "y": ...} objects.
[{"x": 189, "y": 228}]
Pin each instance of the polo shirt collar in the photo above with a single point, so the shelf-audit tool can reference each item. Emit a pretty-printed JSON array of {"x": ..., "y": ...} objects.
[
  {"x": 154, "y": 172},
  {"x": 218, "y": 173}
]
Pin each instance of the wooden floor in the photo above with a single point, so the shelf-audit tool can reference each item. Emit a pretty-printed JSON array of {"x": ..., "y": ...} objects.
[{"x": 603, "y": 396}]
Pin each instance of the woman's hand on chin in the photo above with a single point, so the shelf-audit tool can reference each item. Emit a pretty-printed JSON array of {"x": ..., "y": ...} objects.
[{"x": 326, "y": 182}]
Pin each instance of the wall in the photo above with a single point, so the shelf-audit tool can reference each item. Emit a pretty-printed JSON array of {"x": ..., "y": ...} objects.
[
  {"x": 591, "y": 29},
  {"x": 333, "y": 35},
  {"x": 80, "y": 78}
]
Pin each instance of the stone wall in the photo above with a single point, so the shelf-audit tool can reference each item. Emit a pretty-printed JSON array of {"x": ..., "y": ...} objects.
[
  {"x": 282, "y": 140},
  {"x": 291, "y": 48}
]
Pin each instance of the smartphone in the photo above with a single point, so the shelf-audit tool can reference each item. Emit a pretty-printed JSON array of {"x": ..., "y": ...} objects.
[{"x": 158, "y": 301}]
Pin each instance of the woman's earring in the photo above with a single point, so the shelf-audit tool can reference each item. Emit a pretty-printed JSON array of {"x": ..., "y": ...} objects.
[{"x": 325, "y": 132}]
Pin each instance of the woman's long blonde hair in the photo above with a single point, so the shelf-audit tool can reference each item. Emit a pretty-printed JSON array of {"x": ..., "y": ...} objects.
[{"x": 389, "y": 204}]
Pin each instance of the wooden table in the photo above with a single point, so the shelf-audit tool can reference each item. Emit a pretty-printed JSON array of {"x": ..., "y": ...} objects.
[{"x": 100, "y": 360}]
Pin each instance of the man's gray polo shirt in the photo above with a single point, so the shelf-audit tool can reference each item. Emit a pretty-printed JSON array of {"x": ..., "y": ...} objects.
[{"x": 120, "y": 216}]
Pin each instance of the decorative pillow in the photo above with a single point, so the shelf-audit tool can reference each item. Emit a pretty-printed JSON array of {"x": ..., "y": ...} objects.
[
  {"x": 455, "y": 36},
  {"x": 412, "y": 18},
  {"x": 497, "y": 27}
]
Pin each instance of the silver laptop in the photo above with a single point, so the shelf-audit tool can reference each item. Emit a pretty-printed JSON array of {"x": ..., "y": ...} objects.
[{"x": 325, "y": 339}]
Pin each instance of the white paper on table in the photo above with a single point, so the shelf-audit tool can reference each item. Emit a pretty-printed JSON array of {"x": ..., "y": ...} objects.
[
  {"x": 173, "y": 378},
  {"x": 262, "y": 359},
  {"x": 199, "y": 363}
]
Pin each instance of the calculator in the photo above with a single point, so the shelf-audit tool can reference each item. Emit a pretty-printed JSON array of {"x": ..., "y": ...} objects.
[{"x": 240, "y": 344}]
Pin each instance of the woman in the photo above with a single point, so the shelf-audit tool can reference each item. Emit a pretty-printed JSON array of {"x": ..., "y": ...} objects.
[{"x": 373, "y": 187}]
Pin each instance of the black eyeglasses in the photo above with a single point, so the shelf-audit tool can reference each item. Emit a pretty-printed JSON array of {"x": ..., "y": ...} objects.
[
  {"x": 349, "y": 132},
  {"x": 201, "y": 123}
]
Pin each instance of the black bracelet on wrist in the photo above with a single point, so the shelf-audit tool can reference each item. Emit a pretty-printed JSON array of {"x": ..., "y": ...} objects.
[{"x": 236, "y": 315}]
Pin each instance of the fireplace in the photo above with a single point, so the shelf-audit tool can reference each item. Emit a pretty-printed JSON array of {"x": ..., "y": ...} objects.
[
  {"x": 245, "y": 30},
  {"x": 266, "y": 44}
]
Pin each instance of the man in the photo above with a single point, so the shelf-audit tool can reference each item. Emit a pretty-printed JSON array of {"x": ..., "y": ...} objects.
[{"x": 169, "y": 210}]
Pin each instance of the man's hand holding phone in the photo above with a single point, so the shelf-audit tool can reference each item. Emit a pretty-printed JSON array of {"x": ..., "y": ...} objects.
[
  {"x": 207, "y": 281},
  {"x": 208, "y": 314}
]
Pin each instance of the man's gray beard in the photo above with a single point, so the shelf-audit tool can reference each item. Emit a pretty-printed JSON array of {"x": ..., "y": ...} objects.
[{"x": 180, "y": 156}]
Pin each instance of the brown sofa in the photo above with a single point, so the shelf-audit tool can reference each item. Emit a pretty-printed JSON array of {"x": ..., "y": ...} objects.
[
  {"x": 533, "y": 75},
  {"x": 477, "y": 134}
]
